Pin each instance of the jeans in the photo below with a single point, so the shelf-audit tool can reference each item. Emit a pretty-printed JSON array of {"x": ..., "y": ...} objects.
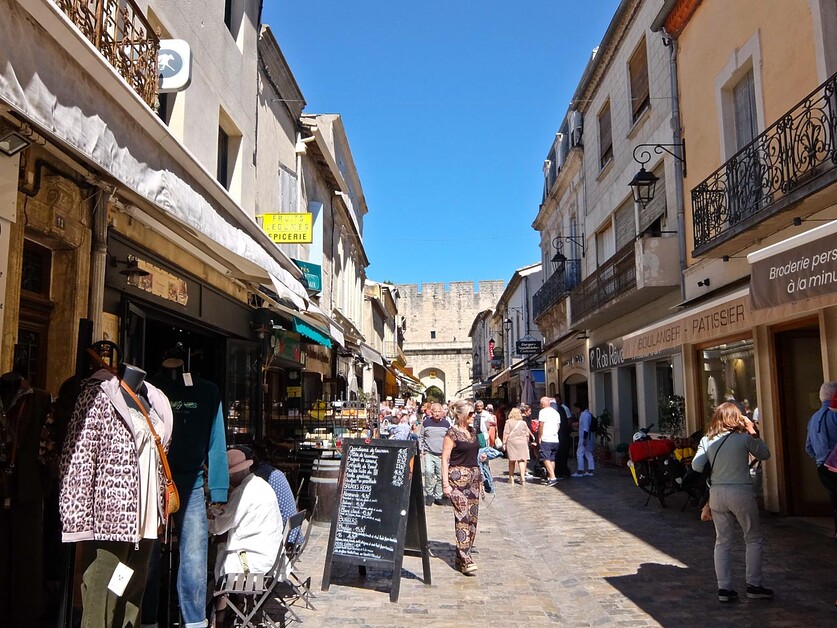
[
  {"x": 193, "y": 541},
  {"x": 432, "y": 475},
  {"x": 730, "y": 503},
  {"x": 585, "y": 451},
  {"x": 485, "y": 468}
]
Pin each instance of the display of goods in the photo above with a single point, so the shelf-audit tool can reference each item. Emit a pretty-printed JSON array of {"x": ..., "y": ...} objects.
[{"x": 646, "y": 449}]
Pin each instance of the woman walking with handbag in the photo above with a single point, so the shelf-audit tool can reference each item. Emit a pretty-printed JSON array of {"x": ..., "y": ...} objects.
[{"x": 724, "y": 454}]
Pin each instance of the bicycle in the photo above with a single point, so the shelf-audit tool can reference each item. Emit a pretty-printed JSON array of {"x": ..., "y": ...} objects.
[{"x": 652, "y": 465}]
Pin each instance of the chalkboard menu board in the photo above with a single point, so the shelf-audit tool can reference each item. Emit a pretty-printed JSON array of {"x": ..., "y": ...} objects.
[{"x": 379, "y": 495}]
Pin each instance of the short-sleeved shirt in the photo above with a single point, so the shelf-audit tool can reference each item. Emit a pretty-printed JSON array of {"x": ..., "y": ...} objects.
[
  {"x": 466, "y": 447},
  {"x": 284, "y": 494},
  {"x": 551, "y": 422}
]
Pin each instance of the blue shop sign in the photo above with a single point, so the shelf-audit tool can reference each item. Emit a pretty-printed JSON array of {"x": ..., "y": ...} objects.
[{"x": 313, "y": 274}]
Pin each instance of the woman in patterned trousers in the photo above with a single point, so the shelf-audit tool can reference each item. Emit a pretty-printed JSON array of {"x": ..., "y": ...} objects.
[{"x": 461, "y": 481}]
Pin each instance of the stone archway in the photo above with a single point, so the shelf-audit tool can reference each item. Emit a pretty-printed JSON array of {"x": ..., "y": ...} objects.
[{"x": 433, "y": 377}]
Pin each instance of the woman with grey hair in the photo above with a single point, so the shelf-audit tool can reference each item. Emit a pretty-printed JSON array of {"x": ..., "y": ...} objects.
[{"x": 461, "y": 480}]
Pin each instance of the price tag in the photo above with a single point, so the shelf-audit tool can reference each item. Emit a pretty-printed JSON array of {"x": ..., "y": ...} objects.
[
  {"x": 120, "y": 578},
  {"x": 187, "y": 379}
]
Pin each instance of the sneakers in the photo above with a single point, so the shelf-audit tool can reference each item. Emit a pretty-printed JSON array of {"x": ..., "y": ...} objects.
[
  {"x": 759, "y": 593},
  {"x": 469, "y": 570},
  {"x": 589, "y": 474},
  {"x": 439, "y": 502},
  {"x": 552, "y": 482},
  {"x": 578, "y": 474},
  {"x": 727, "y": 595}
]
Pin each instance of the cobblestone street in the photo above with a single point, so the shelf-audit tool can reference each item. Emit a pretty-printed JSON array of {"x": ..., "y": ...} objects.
[{"x": 586, "y": 553}]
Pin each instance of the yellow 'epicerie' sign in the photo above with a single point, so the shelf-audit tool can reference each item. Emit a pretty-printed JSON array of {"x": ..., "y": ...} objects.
[{"x": 288, "y": 228}]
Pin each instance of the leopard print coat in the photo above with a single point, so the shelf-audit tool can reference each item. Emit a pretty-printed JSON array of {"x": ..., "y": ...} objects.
[{"x": 99, "y": 494}]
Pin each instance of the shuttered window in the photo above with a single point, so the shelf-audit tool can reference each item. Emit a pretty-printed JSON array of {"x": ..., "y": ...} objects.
[
  {"x": 605, "y": 248},
  {"x": 744, "y": 110},
  {"x": 625, "y": 227},
  {"x": 287, "y": 191},
  {"x": 657, "y": 206},
  {"x": 638, "y": 69},
  {"x": 605, "y": 136}
]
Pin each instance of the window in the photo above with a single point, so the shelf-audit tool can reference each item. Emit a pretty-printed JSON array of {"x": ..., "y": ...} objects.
[
  {"x": 287, "y": 191},
  {"x": 36, "y": 269},
  {"x": 744, "y": 110},
  {"x": 638, "y": 71},
  {"x": 605, "y": 136},
  {"x": 222, "y": 169},
  {"x": 625, "y": 222},
  {"x": 433, "y": 335},
  {"x": 728, "y": 373},
  {"x": 605, "y": 244}
]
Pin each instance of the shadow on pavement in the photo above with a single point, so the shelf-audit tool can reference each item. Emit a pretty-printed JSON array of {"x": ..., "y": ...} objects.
[{"x": 798, "y": 562}]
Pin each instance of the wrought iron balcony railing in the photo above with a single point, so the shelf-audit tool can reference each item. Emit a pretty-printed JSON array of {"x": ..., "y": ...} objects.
[
  {"x": 120, "y": 31},
  {"x": 794, "y": 151},
  {"x": 613, "y": 279},
  {"x": 558, "y": 285}
]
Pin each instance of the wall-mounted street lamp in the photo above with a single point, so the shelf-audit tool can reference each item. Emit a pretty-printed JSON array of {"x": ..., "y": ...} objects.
[
  {"x": 559, "y": 259},
  {"x": 132, "y": 267},
  {"x": 644, "y": 183}
]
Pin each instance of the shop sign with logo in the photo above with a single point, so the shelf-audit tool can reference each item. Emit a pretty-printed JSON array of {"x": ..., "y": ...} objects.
[
  {"x": 313, "y": 274},
  {"x": 174, "y": 64},
  {"x": 288, "y": 228},
  {"x": 286, "y": 345},
  {"x": 607, "y": 356},
  {"x": 805, "y": 271},
  {"x": 159, "y": 282}
]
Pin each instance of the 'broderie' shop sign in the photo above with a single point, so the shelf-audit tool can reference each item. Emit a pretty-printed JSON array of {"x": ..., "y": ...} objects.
[{"x": 808, "y": 270}]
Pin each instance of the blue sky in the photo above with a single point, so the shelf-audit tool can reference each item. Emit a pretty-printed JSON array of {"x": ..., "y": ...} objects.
[{"x": 450, "y": 109}]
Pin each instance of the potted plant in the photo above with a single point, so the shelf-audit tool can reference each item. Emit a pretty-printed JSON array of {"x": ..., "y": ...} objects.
[{"x": 672, "y": 415}]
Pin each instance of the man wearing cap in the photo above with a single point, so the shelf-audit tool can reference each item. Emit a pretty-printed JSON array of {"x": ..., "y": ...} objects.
[{"x": 251, "y": 519}]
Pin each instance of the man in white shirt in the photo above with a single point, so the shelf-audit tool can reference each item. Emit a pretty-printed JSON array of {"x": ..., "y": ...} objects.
[
  {"x": 251, "y": 519},
  {"x": 550, "y": 422},
  {"x": 482, "y": 419}
]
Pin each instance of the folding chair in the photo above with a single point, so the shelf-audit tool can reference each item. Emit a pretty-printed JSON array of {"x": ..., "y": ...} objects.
[
  {"x": 253, "y": 590},
  {"x": 299, "y": 589}
]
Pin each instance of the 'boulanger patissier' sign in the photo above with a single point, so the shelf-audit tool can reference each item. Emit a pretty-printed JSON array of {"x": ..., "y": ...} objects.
[{"x": 805, "y": 271}]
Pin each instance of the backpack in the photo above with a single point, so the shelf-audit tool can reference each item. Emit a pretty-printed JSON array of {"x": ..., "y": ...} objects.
[{"x": 594, "y": 424}]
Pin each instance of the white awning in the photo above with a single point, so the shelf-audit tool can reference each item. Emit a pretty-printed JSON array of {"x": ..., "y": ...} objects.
[{"x": 370, "y": 355}]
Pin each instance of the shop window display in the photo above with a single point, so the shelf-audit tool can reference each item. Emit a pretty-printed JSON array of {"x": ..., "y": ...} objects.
[{"x": 728, "y": 374}]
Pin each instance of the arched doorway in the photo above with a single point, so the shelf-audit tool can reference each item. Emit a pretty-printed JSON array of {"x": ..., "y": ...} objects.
[
  {"x": 432, "y": 377},
  {"x": 434, "y": 393}
]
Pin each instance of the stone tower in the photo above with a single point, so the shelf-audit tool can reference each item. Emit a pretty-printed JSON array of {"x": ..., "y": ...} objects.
[{"x": 436, "y": 342}]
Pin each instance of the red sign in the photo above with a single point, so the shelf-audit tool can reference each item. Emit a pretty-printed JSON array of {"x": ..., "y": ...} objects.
[{"x": 490, "y": 349}]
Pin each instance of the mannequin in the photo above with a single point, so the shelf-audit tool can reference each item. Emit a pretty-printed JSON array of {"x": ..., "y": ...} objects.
[
  {"x": 23, "y": 413},
  {"x": 109, "y": 457},
  {"x": 198, "y": 440}
]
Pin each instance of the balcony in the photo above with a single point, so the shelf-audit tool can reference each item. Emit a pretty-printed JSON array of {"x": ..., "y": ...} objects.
[
  {"x": 636, "y": 275},
  {"x": 556, "y": 287},
  {"x": 791, "y": 165},
  {"x": 119, "y": 30}
]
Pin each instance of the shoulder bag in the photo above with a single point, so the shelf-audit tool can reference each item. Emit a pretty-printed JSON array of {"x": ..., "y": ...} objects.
[
  {"x": 706, "y": 511},
  {"x": 171, "y": 497}
]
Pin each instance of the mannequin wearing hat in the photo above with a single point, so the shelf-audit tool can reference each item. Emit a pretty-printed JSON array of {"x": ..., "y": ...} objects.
[
  {"x": 251, "y": 519},
  {"x": 23, "y": 412}
]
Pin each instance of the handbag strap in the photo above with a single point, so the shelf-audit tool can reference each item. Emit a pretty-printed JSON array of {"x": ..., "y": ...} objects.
[
  {"x": 715, "y": 459},
  {"x": 163, "y": 459}
]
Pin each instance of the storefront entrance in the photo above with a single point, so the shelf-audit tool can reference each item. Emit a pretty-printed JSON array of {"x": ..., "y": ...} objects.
[{"x": 799, "y": 375}]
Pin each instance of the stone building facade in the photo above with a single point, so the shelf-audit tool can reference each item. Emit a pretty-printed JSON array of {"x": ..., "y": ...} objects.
[{"x": 437, "y": 321}]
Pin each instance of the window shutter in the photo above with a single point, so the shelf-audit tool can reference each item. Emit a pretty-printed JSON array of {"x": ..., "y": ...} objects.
[
  {"x": 605, "y": 138},
  {"x": 657, "y": 207},
  {"x": 287, "y": 191},
  {"x": 625, "y": 228},
  {"x": 744, "y": 103},
  {"x": 638, "y": 69}
]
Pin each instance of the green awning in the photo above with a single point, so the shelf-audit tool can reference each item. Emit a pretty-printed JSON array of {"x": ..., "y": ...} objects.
[{"x": 312, "y": 333}]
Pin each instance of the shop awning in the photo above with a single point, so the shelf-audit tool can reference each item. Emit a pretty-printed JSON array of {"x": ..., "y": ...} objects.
[
  {"x": 409, "y": 376},
  {"x": 502, "y": 377},
  {"x": 311, "y": 332},
  {"x": 370, "y": 355}
]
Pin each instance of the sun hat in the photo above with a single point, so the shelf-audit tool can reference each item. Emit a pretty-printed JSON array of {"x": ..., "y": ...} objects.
[{"x": 237, "y": 460}]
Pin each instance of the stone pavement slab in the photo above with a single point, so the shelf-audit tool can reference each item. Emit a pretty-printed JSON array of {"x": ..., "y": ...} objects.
[{"x": 587, "y": 552}]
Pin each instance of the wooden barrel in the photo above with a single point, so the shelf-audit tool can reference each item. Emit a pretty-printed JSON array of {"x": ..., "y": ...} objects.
[{"x": 323, "y": 489}]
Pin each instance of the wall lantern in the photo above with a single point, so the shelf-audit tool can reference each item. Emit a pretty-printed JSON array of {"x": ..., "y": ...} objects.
[
  {"x": 12, "y": 142},
  {"x": 559, "y": 259},
  {"x": 644, "y": 183}
]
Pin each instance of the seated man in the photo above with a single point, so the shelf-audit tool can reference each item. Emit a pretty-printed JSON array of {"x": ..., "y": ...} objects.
[{"x": 251, "y": 519}]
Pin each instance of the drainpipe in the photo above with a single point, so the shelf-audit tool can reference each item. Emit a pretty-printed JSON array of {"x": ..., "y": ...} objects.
[
  {"x": 98, "y": 263},
  {"x": 678, "y": 163}
]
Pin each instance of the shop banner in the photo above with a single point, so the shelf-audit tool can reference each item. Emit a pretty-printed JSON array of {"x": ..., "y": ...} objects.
[
  {"x": 805, "y": 271},
  {"x": 313, "y": 274},
  {"x": 725, "y": 319},
  {"x": 286, "y": 345},
  {"x": 288, "y": 228}
]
